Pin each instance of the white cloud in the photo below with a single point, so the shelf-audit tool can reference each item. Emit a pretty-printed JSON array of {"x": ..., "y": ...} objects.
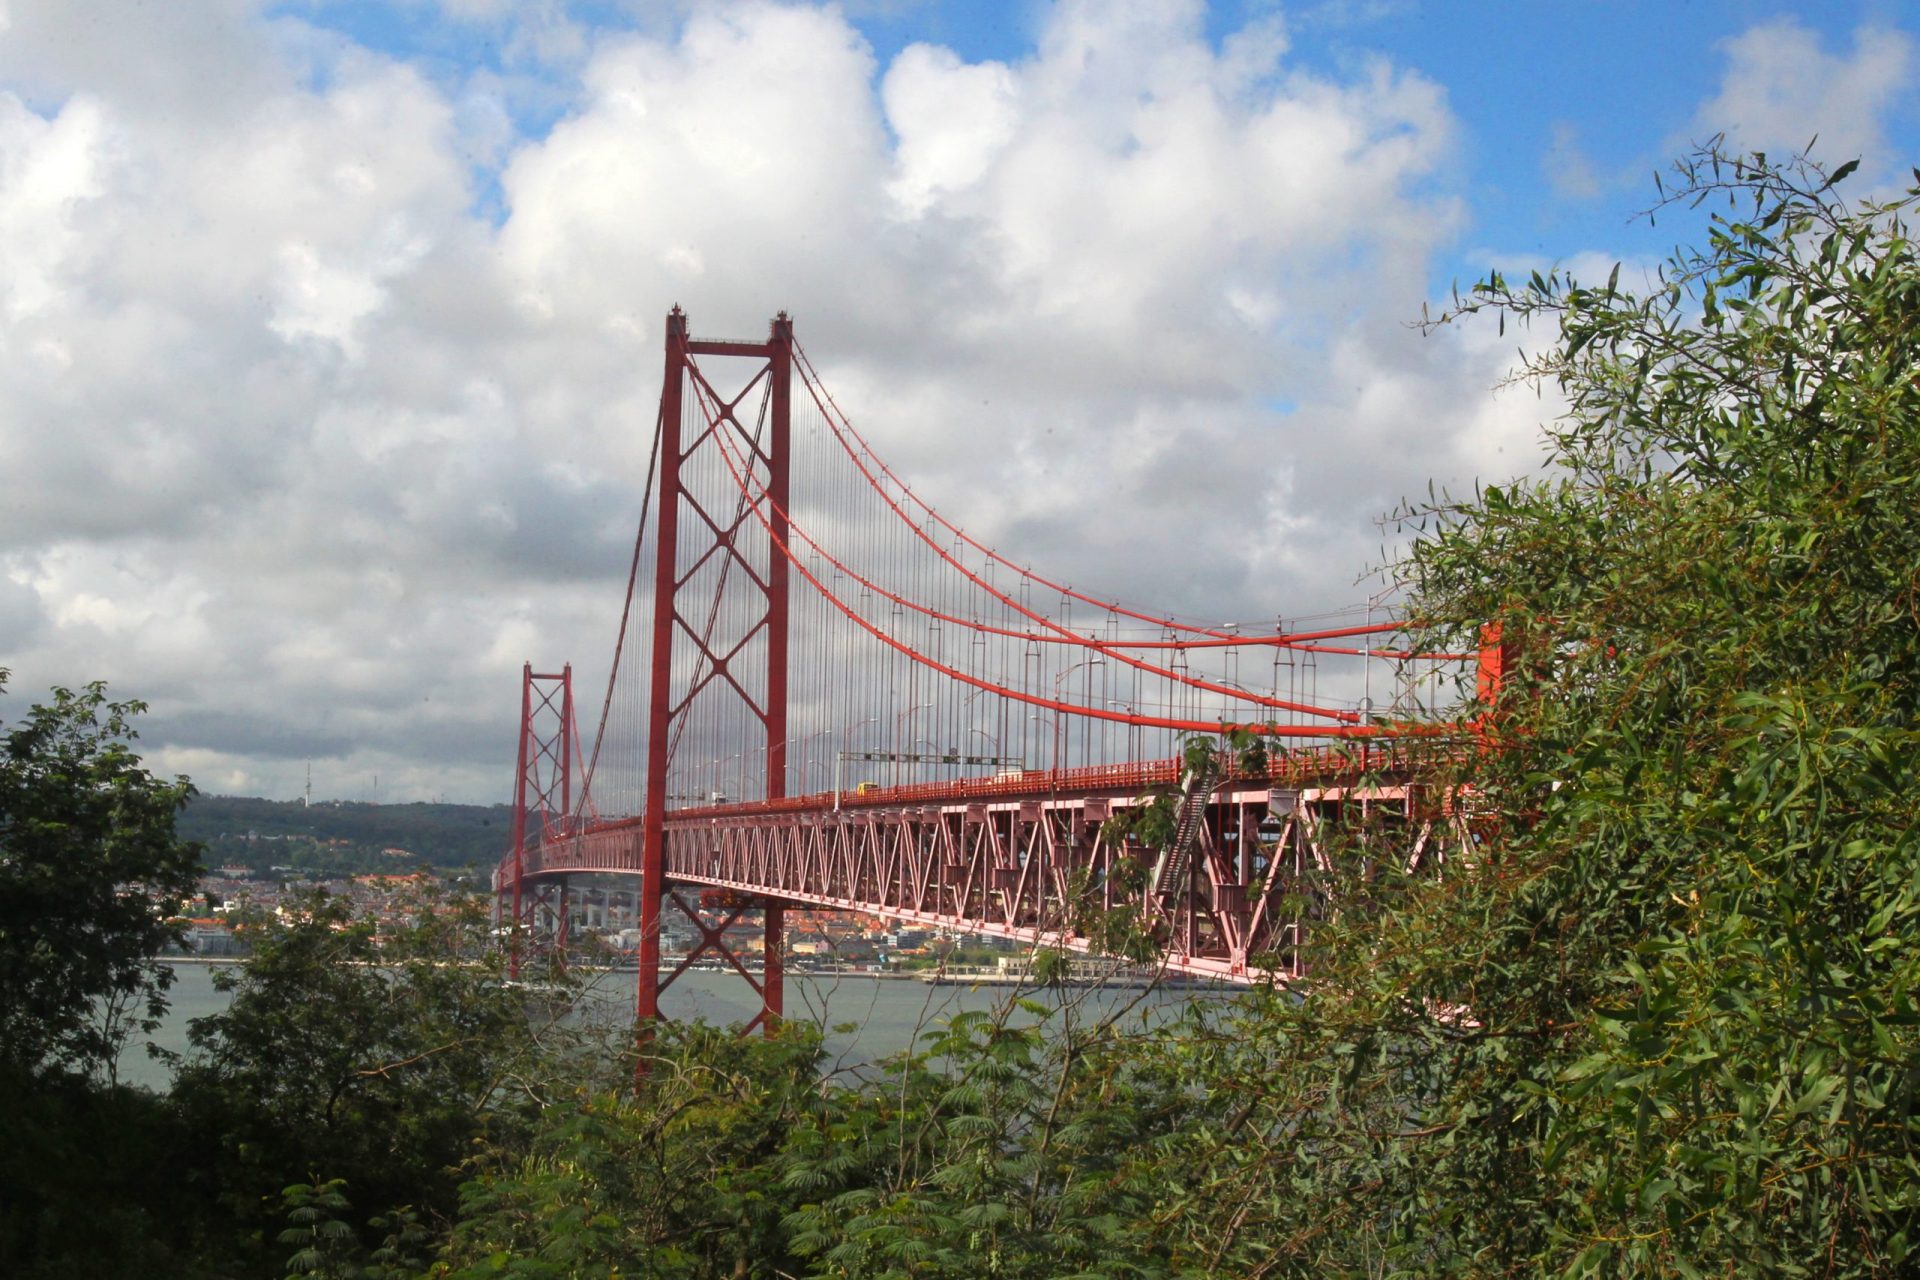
[
  {"x": 1569, "y": 170},
  {"x": 48, "y": 169},
  {"x": 321, "y": 454},
  {"x": 1781, "y": 88},
  {"x": 951, "y": 119}
]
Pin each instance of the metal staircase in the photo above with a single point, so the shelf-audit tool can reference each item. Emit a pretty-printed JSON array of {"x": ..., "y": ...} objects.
[{"x": 1170, "y": 870}]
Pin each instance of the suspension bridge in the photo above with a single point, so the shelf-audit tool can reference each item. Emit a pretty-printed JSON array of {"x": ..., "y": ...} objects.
[{"x": 827, "y": 695}]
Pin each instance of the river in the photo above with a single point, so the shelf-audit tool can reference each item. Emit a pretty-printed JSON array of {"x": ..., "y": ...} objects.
[{"x": 888, "y": 1013}]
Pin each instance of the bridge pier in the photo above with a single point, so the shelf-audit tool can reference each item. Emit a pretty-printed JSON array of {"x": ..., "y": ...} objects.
[{"x": 773, "y": 964}]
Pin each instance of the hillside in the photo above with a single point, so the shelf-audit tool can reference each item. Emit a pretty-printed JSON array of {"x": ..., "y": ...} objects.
[{"x": 341, "y": 835}]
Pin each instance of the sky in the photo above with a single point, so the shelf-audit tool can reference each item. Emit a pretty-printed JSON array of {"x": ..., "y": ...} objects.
[{"x": 329, "y": 331}]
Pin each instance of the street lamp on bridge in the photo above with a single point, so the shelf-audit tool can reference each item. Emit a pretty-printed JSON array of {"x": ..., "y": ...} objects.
[
  {"x": 1057, "y": 678},
  {"x": 1133, "y": 729},
  {"x": 900, "y": 732},
  {"x": 1053, "y": 732},
  {"x": 841, "y": 754},
  {"x": 802, "y": 745}
]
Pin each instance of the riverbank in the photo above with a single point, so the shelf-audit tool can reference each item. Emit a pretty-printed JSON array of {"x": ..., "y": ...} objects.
[{"x": 1110, "y": 982}]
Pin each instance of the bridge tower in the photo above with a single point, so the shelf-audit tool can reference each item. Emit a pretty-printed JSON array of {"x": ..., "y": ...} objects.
[
  {"x": 542, "y": 797},
  {"x": 699, "y": 537}
]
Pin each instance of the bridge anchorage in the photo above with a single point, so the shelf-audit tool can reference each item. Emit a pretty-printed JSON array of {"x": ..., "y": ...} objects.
[{"x": 826, "y": 695}]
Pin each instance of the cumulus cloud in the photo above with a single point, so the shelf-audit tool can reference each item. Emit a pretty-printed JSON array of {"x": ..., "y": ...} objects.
[
  {"x": 322, "y": 449},
  {"x": 1781, "y": 88}
]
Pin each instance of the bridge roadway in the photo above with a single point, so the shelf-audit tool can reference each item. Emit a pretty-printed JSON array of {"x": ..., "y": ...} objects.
[{"x": 1025, "y": 856}]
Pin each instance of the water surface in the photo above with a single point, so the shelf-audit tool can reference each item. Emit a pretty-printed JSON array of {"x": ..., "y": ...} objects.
[{"x": 888, "y": 1014}]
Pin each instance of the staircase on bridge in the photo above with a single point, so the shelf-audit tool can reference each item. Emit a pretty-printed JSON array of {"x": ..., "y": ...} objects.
[{"x": 1170, "y": 870}]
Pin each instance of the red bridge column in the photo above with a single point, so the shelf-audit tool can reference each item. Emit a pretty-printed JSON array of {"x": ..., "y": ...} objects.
[
  {"x": 681, "y": 455},
  {"x": 780, "y": 414},
  {"x": 653, "y": 888}
]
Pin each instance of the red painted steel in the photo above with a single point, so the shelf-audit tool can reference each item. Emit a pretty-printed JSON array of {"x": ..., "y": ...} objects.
[
  {"x": 543, "y": 790},
  {"x": 659, "y": 706},
  {"x": 1349, "y": 725},
  {"x": 1029, "y": 858},
  {"x": 1025, "y": 853},
  {"x": 672, "y": 621},
  {"x": 780, "y": 452}
]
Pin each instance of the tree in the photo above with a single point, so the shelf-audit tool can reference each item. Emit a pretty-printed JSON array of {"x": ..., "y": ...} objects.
[
  {"x": 325, "y": 1240},
  {"x": 1664, "y": 1022},
  {"x": 1008, "y": 1145},
  {"x": 686, "y": 1179},
  {"x": 92, "y": 877},
  {"x": 1710, "y": 875},
  {"x": 372, "y": 1053},
  {"x": 1003, "y": 1145}
]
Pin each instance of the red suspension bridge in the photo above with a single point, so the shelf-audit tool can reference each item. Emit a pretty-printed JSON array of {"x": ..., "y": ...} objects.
[{"x": 825, "y": 694}]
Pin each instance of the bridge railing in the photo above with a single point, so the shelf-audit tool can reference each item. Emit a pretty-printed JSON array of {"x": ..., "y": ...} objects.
[{"x": 1141, "y": 775}]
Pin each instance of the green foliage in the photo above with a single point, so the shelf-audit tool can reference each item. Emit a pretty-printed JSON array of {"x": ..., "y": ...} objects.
[
  {"x": 1003, "y": 1150},
  {"x": 90, "y": 1181},
  {"x": 1663, "y": 1024},
  {"x": 326, "y": 1241},
  {"x": 997, "y": 1148},
  {"x": 330, "y": 1249},
  {"x": 378, "y": 1060},
  {"x": 91, "y": 872},
  {"x": 1707, "y": 926},
  {"x": 683, "y": 1180}
]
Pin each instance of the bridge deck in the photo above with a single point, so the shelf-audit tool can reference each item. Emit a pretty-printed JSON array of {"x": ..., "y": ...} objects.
[{"x": 1027, "y": 856}]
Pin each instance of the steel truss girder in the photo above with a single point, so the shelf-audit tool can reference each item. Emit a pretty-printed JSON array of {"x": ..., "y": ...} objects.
[{"x": 1036, "y": 867}]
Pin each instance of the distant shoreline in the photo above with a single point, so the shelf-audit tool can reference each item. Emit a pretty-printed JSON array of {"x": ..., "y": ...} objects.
[
  {"x": 931, "y": 977},
  {"x": 666, "y": 966}
]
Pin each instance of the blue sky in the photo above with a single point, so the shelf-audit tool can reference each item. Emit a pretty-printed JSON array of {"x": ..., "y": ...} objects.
[
  {"x": 329, "y": 329},
  {"x": 1599, "y": 93}
]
